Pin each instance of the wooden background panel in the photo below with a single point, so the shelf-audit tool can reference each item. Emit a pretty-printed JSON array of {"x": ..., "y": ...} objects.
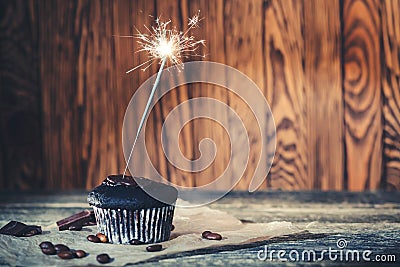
[
  {"x": 323, "y": 86},
  {"x": 176, "y": 11},
  {"x": 362, "y": 93},
  {"x": 97, "y": 97},
  {"x": 59, "y": 53},
  {"x": 329, "y": 69},
  {"x": 285, "y": 92},
  {"x": 20, "y": 110},
  {"x": 211, "y": 28},
  {"x": 136, "y": 17},
  {"x": 244, "y": 51},
  {"x": 391, "y": 93}
]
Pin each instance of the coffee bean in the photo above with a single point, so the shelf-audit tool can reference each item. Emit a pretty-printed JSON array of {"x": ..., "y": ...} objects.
[
  {"x": 213, "y": 236},
  {"x": 103, "y": 258},
  {"x": 205, "y": 233},
  {"x": 66, "y": 255},
  {"x": 154, "y": 248},
  {"x": 46, "y": 244},
  {"x": 103, "y": 238},
  {"x": 75, "y": 227},
  {"x": 61, "y": 247},
  {"x": 49, "y": 251},
  {"x": 172, "y": 227},
  {"x": 93, "y": 238},
  {"x": 135, "y": 242},
  {"x": 80, "y": 253}
]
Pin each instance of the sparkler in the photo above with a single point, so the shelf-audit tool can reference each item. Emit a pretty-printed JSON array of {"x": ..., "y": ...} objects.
[{"x": 164, "y": 43}]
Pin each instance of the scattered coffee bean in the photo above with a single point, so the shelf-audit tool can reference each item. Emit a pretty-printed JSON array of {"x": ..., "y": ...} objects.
[
  {"x": 80, "y": 253},
  {"x": 66, "y": 255},
  {"x": 213, "y": 236},
  {"x": 49, "y": 251},
  {"x": 103, "y": 238},
  {"x": 135, "y": 242},
  {"x": 46, "y": 244},
  {"x": 172, "y": 227},
  {"x": 103, "y": 258},
  {"x": 75, "y": 227},
  {"x": 154, "y": 248},
  {"x": 60, "y": 247},
  {"x": 205, "y": 233},
  {"x": 93, "y": 238}
]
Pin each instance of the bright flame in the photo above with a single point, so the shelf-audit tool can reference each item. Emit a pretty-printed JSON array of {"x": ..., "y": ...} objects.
[
  {"x": 165, "y": 49},
  {"x": 164, "y": 41}
]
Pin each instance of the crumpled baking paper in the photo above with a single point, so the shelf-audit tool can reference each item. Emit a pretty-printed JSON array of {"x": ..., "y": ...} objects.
[{"x": 189, "y": 224}]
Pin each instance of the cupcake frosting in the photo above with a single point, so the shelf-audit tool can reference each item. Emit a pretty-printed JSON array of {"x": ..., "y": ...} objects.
[{"x": 124, "y": 192}]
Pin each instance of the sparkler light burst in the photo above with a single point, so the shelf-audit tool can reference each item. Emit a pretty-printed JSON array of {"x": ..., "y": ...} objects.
[{"x": 165, "y": 42}]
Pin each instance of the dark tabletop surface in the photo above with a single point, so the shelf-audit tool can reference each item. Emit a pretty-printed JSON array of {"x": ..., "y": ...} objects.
[{"x": 358, "y": 222}]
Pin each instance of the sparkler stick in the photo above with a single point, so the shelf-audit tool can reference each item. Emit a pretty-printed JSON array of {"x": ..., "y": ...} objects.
[
  {"x": 163, "y": 43},
  {"x": 146, "y": 110}
]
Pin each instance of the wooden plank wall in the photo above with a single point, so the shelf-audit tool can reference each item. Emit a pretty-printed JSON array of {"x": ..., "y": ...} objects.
[
  {"x": 21, "y": 141},
  {"x": 330, "y": 70}
]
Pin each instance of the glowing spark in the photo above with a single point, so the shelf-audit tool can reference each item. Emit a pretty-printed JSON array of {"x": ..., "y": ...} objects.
[{"x": 163, "y": 43}]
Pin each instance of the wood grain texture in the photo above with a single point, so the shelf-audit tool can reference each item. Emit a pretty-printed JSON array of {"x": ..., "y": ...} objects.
[
  {"x": 81, "y": 97},
  {"x": 20, "y": 112},
  {"x": 244, "y": 51},
  {"x": 166, "y": 10},
  {"x": 362, "y": 93},
  {"x": 211, "y": 11},
  {"x": 391, "y": 93},
  {"x": 285, "y": 86},
  {"x": 330, "y": 70},
  {"x": 322, "y": 69},
  {"x": 136, "y": 14},
  {"x": 58, "y": 53}
]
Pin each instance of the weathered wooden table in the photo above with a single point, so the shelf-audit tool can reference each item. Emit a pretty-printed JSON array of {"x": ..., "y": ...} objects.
[{"x": 346, "y": 224}]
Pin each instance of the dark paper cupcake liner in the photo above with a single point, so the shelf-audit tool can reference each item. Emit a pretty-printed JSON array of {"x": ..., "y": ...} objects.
[{"x": 151, "y": 225}]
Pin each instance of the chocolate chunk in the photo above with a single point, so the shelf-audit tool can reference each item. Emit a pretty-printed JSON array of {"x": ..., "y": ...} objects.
[
  {"x": 154, "y": 248},
  {"x": 93, "y": 238},
  {"x": 32, "y": 230},
  {"x": 19, "y": 229},
  {"x": 80, "y": 218},
  {"x": 90, "y": 223},
  {"x": 103, "y": 258},
  {"x": 80, "y": 253},
  {"x": 135, "y": 242},
  {"x": 92, "y": 220},
  {"x": 75, "y": 227},
  {"x": 66, "y": 255}
]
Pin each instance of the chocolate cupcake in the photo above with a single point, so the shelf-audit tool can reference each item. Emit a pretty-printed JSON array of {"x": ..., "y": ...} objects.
[{"x": 125, "y": 210}]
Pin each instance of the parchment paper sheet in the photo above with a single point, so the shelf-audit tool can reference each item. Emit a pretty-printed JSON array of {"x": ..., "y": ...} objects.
[{"x": 189, "y": 224}]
